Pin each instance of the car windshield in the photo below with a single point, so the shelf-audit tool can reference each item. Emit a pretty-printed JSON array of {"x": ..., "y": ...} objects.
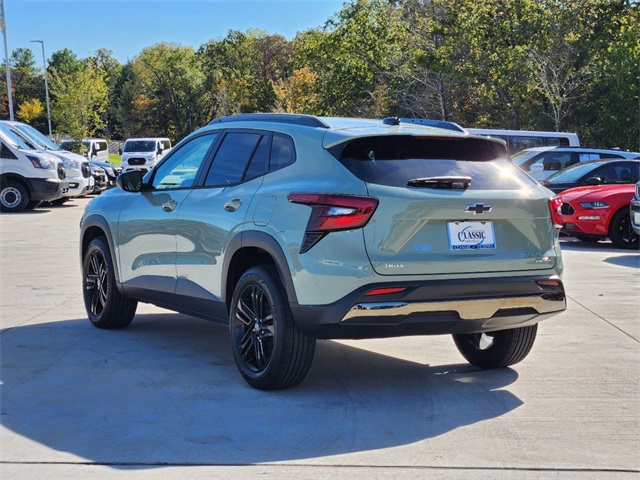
[
  {"x": 522, "y": 157},
  {"x": 15, "y": 140},
  {"x": 140, "y": 146},
  {"x": 37, "y": 137},
  {"x": 572, "y": 173}
]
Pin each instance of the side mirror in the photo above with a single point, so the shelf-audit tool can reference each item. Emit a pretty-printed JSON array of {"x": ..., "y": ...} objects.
[
  {"x": 536, "y": 167},
  {"x": 130, "y": 181},
  {"x": 120, "y": 151},
  {"x": 594, "y": 181}
]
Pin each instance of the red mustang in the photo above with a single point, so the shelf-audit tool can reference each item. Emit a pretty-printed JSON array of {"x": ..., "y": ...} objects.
[{"x": 595, "y": 212}]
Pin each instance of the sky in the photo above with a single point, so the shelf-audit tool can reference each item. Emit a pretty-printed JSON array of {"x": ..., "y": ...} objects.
[{"x": 128, "y": 26}]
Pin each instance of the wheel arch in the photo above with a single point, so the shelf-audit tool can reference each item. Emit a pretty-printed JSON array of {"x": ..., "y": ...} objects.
[
  {"x": 248, "y": 249},
  {"x": 95, "y": 226},
  {"x": 14, "y": 177}
]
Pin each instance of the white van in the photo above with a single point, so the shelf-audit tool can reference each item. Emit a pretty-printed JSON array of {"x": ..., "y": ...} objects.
[
  {"x": 96, "y": 149},
  {"x": 78, "y": 169},
  {"x": 27, "y": 177},
  {"x": 520, "y": 139},
  {"x": 143, "y": 153}
]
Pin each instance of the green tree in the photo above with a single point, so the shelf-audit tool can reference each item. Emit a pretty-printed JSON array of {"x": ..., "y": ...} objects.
[
  {"x": 353, "y": 57},
  {"x": 79, "y": 100}
]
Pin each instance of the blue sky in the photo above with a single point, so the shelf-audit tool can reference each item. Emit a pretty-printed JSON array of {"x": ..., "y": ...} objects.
[{"x": 128, "y": 26}]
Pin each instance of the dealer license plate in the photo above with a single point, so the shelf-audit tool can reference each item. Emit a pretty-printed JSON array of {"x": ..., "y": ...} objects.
[{"x": 471, "y": 235}]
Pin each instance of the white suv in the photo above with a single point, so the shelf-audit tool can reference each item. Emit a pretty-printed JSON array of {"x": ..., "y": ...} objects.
[{"x": 143, "y": 153}]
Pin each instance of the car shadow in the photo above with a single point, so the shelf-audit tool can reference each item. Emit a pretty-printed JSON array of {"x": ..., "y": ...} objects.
[{"x": 166, "y": 391}]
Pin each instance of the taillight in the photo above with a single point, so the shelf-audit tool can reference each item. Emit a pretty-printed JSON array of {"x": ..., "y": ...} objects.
[
  {"x": 555, "y": 205},
  {"x": 331, "y": 213}
]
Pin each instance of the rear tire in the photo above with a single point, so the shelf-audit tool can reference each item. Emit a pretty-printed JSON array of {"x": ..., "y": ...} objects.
[
  {"x": 270, "y": 351},
  {"x": 14, "y": 197},
  {"x": 106, "y": 307},
  {"x": 621, "y": 232},
  {"x": 496, "y": 349}
]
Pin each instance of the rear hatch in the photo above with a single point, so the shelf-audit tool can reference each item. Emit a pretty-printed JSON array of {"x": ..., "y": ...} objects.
[{"x": 449, "y": 206}]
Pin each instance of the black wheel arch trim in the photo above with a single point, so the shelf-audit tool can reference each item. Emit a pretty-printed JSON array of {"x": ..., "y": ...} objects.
[
  {"x": 96, "y": 220},
  {"x": 264, "y": 241}
]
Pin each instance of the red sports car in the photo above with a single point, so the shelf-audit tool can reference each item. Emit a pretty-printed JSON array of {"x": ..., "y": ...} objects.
[{"x": 596, "y": 212}]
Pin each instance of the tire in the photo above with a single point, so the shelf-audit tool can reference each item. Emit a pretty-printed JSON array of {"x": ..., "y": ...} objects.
[
  {"x": 586, "y": 238},
  {"x": 59, "y": 201},
  {"x": 621, "y": 232},
  {"x": 106, "y": 307},
  {"x": 508, "y": 347},
  {"x": 270, "y": 351},
  {"x": 33, "y": 204},
  {"x": 14, "y": 197}
]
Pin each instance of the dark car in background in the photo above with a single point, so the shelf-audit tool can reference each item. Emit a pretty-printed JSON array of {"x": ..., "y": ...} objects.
[
  {"x": 111, "y": 172},
  {"x": 594, "y": 172}
]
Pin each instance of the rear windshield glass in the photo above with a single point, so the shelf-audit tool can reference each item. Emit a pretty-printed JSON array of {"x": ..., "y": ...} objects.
[
  {"x": 394, "y": 161},
  {"x": 139, "y": 146}
]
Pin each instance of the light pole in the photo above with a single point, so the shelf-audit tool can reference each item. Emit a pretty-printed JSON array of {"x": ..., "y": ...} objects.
[
  {"x": 46, "y": 83},
  {"x": 3, "y": 26}
]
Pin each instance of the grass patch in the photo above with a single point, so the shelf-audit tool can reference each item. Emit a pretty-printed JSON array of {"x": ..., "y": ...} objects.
[{"x": 114, "y": 158}]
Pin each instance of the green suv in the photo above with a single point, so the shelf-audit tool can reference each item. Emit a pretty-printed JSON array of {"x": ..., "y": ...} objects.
[{"x": 292, "y": 228}]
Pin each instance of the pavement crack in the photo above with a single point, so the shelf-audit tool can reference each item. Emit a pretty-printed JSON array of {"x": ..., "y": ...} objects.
[{"x": 604, "y": 319}]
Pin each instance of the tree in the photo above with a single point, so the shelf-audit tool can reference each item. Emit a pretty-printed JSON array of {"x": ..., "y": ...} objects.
[
  {"x": 30, "y": 110},
  {"x": 79, "y": 100},
  {"x": 296, "y": 93}
]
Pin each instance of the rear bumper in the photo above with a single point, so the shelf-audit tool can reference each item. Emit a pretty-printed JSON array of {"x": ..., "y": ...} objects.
[{"x": 437, "y": 307}]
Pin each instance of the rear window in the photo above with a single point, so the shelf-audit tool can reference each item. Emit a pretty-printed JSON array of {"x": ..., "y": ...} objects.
[{"x": 394, "y": 161}]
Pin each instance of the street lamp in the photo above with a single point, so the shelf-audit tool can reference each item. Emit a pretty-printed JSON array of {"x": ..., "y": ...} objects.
[{"x": 46, "y": 83}]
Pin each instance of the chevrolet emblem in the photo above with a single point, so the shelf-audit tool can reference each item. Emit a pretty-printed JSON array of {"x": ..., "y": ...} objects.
[{"x": 478, "y": 208}]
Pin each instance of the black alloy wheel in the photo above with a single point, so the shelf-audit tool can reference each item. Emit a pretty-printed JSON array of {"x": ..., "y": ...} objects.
[
  {"x": 106, "y": 307},
  {"x": 621, "y": 231},
  {"x": 270, "y": 351}
]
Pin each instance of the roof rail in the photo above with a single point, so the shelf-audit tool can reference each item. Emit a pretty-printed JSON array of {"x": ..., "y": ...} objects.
[{"x": 292, "y": 118}]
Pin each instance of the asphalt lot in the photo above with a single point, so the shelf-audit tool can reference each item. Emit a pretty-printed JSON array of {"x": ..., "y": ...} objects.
[{"x": 163, "y": 399}]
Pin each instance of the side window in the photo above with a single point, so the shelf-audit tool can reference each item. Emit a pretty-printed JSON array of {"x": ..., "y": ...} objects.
[
  {"x": 520, "y": 143},
  {"x": 260, "y": 161},
  {"x": 231, "y": 160},
  {"x": 181, "y": 168},
  {"x": 283, "y": 152},
  {"x": 166, "y": 144},
  {"x": 6, "y": 153},
  {"x": 596, "y": 156},
  {"x": 100, "y": 146},
  {"x": 555, "y": 161},
  {"x": 584, "y": 157},
  {"x": 620, "y": 173}
]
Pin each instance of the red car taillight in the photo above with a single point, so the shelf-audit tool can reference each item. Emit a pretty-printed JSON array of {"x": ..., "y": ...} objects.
[
  {"x": 555, "y": 205},
  {"x": 331, "y": 213}
]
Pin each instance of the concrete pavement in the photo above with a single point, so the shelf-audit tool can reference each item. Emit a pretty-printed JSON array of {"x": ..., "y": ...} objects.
[{"x": 163, "y": 399}]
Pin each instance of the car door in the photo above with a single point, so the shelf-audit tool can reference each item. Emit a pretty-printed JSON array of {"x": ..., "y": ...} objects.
[
  {"x": 212, "y": 214},
  {"x": 147, "y": 225}
]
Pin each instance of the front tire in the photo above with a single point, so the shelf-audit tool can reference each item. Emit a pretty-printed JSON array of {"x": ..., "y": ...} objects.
[
  {"x": 270, "y": 351},
  {"x": 621, "y": 232},
  {"x": 496, "y": 349},
  {"x": 14, "y": 197},
  {"x": 106, "y": 307}
]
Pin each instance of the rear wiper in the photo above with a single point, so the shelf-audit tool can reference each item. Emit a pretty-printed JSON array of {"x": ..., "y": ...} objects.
[{"x": 440, "y": 182}]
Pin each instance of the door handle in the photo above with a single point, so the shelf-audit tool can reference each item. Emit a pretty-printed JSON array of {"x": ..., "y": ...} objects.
[
  {"x": 233, "y": 204},
  {"x": 169, "y": 206}
]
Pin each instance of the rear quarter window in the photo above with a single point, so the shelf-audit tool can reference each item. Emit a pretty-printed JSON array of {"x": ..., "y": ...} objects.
[{"x": 394, "y": 161}]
